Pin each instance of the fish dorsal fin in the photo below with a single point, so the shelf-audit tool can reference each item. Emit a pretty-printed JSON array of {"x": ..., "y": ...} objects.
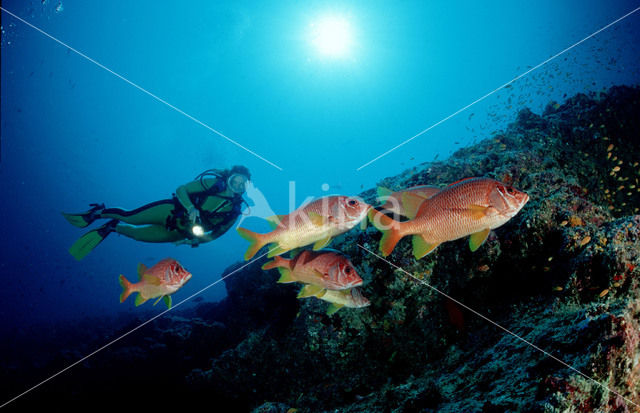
[
  {"x": 333, "y": 308},
  {"x": 410, "y": 203},
  {"x": 461, "y": 180},
  {"x": 321, "y": 243},
  {"x": 316, "y": 219},
  {"x": 140, "y": 299},
  {"x": 286, "y": 276},
  {"x": 141, "y": 270},
  {"x": 383, "y": 193},
  {"x": 478, "y": 238},
  {"x": 274, "y": 220},
  {"x": 311, "y": 290},
  {"x": 167, "y": 300},
  {"x": 150, "y": 279},
  {"x": 421, "y": 247}
]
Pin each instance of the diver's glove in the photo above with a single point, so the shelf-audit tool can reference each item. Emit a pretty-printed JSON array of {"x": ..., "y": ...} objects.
[{"x": 194, "y": 214}]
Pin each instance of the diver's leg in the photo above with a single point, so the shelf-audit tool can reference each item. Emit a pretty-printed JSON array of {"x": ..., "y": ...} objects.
[
  {"x": 149, "y": 233},
  {"x": 153, "y": 213}
]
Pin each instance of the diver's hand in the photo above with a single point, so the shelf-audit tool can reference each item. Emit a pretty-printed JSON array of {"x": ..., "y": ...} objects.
[
  {"x": 194, "y": 215},
  {"x": 193, "y": 242}
]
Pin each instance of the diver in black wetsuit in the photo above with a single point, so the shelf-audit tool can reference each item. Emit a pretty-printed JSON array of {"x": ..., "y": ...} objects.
[{"x": 200, "y": 211}]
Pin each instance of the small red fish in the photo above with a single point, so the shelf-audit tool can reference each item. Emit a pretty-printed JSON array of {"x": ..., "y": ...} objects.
[
  {"x": 323, "y": 269},
  {"x": 159, "y": 281},
  {"x": 472, "y": 206},
  {"x": 313, "y": 223},
  {"x": 407, "y": 206}
]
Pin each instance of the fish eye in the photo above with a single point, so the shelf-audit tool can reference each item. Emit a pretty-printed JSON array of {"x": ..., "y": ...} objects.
[
  {"x": 352, "y": 202},
  {"x": 347, "y": 270}
]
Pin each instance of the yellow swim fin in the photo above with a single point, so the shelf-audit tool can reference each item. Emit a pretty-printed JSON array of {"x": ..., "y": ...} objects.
[{"x": 86, "y": 243}]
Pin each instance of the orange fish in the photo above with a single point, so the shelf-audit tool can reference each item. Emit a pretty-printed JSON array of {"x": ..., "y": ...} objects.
[
  {"x": 313, "y": 223},
  {"x": 159, "y": 281},
  {"x": 400, "y": 204},
  {"x": 472, "y": 206},
  {"x": 322, "y": 269}
]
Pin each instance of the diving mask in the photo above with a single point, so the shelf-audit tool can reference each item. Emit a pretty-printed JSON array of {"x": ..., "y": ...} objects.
[{"x": 237, "y": 183}]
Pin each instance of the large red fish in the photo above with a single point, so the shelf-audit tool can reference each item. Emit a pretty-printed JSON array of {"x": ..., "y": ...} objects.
[
  {"x": 159, "y": 281},
  {"x": 472, "y": 206},
  {"x": 313, "y": 223},
  {"x": 322, "y": 269}
]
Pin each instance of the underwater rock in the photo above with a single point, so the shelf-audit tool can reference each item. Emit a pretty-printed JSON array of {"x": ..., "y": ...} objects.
[{"x": 561, "y": 275}]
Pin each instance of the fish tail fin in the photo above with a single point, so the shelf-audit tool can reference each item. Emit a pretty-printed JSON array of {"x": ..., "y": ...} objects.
[
  {"x": 126, "y": 288},
  {"x": 275, "y": 263},
  {"x": 256, "y": 241},
  {"x": 390, "y": 228}
]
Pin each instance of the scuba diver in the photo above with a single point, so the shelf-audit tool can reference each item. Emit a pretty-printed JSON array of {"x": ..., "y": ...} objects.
[{"x": 199, "y": 212}]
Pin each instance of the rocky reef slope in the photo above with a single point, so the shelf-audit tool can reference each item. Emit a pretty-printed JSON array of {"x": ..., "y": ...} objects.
[{"x": 562, "y": 277}]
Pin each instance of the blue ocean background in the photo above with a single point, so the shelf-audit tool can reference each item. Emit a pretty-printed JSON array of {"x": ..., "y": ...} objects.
[{"x": 73, "y": 133}]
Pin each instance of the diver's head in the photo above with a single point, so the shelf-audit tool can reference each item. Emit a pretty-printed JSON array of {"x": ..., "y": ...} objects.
[{"x": 238, "y": 177}]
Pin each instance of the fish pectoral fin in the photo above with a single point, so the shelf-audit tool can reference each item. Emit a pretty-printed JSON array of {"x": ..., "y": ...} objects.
[
  {"x": 316, "y": 219},
  {"x": 421, "y": 247},
  {"x": 478, "y": 238},
  {"x": 311, "y": 290},
  {"x": 141, "y": 270},
  {"x": 321, "y": 243},
  {"x": 480, "y": 212},
  {"x": 150, "y": 279},
  {"x": 318, "y": 274},
  {"x": 410, "y": 204},
  {"x": 274, "y": 220},
  {"x": 140, "y": 299},
  {"x": 276, "y": 250},
  {"x": 285, "y": 276},
  {"x": 333, "y": 308},
  {"x": 167, "y": 300}
]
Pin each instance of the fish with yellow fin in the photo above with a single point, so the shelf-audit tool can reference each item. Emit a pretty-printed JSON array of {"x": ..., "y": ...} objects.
[
  {"x": 326, "y": 269},
  {"x": 159, "y": 281},
  {"x": 351, "y": 298},
  {"x": 472, "y": 206},
  {"x": 313, "y": 223}
]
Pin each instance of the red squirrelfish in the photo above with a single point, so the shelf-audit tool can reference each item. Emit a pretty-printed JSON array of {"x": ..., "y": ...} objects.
[
  {"x": 472, "y": 206},
  {"x": 400, "y": 204},
  {"x": 352, "y": 298},
  {"x": 313, "y": 223},
  {"x": 159, "y": 281},
  {"x": 322, "y": 269}
]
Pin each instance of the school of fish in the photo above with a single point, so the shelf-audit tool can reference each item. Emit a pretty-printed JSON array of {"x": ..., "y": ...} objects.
[{"x": 469, "y": 207}]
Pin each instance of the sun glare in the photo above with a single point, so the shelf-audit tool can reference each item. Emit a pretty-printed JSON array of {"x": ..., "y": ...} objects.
[{"x": 331, "y": 36}]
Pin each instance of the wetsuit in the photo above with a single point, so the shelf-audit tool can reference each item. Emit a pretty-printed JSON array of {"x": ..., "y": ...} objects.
[{"x": 168, "y": 221}]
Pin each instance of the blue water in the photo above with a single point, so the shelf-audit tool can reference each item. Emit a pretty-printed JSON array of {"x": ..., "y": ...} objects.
[{"x": 74, "y": 133}]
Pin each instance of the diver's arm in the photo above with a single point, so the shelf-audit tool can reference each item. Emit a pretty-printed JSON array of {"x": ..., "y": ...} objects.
[{"x": 193, "y": 187}]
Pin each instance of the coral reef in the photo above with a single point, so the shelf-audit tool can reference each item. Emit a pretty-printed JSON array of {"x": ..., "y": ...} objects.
[{"x": 563, "y": 277}]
